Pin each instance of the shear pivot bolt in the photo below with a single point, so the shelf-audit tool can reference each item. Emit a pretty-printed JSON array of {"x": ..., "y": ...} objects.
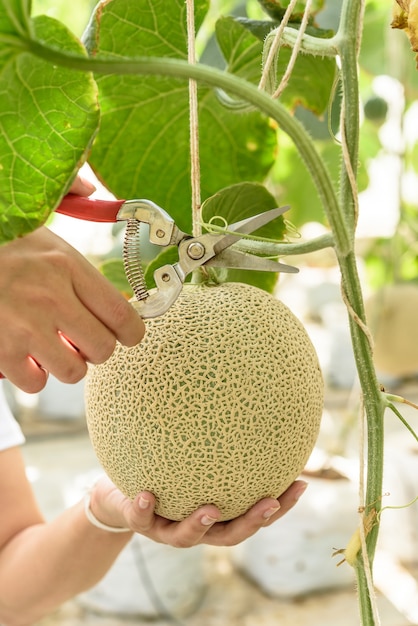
[
  {"x": 160, "y": 233},
  {"x": 196, "y": 250}
]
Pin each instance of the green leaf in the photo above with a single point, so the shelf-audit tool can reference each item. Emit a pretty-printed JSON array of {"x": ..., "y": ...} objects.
[
  {"x": 261, "y": 28},
  {"x": 238, "y": 202},
  {"x": 48, "y": 118},
  {"x": 312, "y": 77},
  {"x": 14, "y": 25},
  {"x": 241, "y": 47},
  {"x": 277, "y": 8},
  {"x": 15, "y": 17},
  {"x": 114, "y": 271},
  {"x": 168, "y": 256},
  {"x": 243, "y": 200},
  {"x": 262, "y": 280},
  {"x": 142, "y": 149}
]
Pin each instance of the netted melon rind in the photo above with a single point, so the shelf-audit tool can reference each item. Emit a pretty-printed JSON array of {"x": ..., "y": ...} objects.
[{"x": 220, "y": 403}]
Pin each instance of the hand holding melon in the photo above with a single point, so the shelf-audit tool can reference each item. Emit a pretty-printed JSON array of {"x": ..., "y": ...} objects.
[{"x": 114, "y": 509}]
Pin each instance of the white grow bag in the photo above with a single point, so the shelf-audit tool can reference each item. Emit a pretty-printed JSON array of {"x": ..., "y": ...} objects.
[
  {"x": 293, "y": 557},
  {"x": 150, "y": 580}
]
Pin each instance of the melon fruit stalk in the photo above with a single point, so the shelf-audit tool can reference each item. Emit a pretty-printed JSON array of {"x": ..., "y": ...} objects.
[{"x": 220, "y": 403}]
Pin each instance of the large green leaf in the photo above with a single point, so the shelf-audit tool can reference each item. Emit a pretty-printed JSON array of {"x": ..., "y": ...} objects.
[
  {"x": 241, "y": 201},
  {"x": 312, "y": 77},
  {"x": 14, "y": 17},
  {"x": 48, "y": 117},
  {"x": 142, "y": 148},
  {"x": 114, "y": 270},
  {"x": 14, "y": 23}
]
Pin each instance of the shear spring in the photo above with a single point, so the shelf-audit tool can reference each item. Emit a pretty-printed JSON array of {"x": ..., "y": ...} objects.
[{"x": 132, "y": 260}]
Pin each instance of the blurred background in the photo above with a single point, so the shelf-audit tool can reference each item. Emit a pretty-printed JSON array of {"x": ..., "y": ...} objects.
[{"x": 285, "y": 574}]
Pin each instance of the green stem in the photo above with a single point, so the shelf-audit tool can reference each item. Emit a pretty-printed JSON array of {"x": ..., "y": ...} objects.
[
  {"x": 374, "y": 403},
  {"x": 348, "y": 37},
  {"x": 285, "y": 249},
  {"x": 14, "y": 41},
  {"x": 228, "y": 82},
  {"x": 311, "y": 45},
  {"x": 365, "y": 604},
  {"x": 403, "y": 420}
]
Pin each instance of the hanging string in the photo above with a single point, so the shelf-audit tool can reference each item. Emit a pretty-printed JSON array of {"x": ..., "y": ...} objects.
[
  {"x": 348, "y": 165},
  {"x": 194, "y": 123},
  {"x": 272, "y": 54},
  {"x": 295, "y": 51}
]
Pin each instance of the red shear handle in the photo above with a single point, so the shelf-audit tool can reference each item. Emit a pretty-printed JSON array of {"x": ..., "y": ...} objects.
[{"x": 89, "y": 209}]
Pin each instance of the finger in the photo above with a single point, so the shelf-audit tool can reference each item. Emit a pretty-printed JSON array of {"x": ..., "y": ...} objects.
[
  {"x": 288, "y": 499},
  {"x": 82, "y": 187},
  {"x": 59, "y": 357},
  {"x": 141, "y": 514},
  {"x": 109, "y": 306},
  {"x": 50, "y": 349},
  {"x": 25, "y": 374},
  {"x": 83, "y": 288},
  {"x": 262, "y": 514},
  {"x": 192, "y": 530},
  {"x": 183, "y": 534},
  {"x": 237, "y": 530},
  {"x": 88, "y": 336},
  {"x": 63, "y": 351}
]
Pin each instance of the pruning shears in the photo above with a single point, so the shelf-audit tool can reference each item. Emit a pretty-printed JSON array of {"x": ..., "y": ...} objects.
[{"x": 208, "y": 250}]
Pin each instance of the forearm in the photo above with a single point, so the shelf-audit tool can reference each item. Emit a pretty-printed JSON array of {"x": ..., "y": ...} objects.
[{"x": 46, "y": 564}]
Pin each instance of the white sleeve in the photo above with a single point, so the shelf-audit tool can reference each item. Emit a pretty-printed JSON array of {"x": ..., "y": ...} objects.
[{"x": 10, "y": 432}]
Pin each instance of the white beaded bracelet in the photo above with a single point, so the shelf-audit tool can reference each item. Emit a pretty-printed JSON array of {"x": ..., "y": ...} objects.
[{"x": 93, "y": 519}]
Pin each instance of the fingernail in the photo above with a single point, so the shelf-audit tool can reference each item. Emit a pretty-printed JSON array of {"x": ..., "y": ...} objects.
[
  {"x": 270, "y": 512},
  {"x": 208, "y": 521},
  {"x": 300, "y": 490},
  {"x": 143, "y": 503}
]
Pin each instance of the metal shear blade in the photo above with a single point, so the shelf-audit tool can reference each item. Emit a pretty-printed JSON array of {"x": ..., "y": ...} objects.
[
  {"x": 247, "y": 226},
  {"x": 225, "y": 256},
  {"x": 237, "y": 259}
]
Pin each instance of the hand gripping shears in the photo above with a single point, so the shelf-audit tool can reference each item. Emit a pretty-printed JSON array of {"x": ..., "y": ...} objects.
[{"x": 209, "y": 250}]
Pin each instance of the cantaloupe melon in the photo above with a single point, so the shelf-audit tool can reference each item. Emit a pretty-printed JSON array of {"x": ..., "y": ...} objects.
[{"x": 220, "y": 403}]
